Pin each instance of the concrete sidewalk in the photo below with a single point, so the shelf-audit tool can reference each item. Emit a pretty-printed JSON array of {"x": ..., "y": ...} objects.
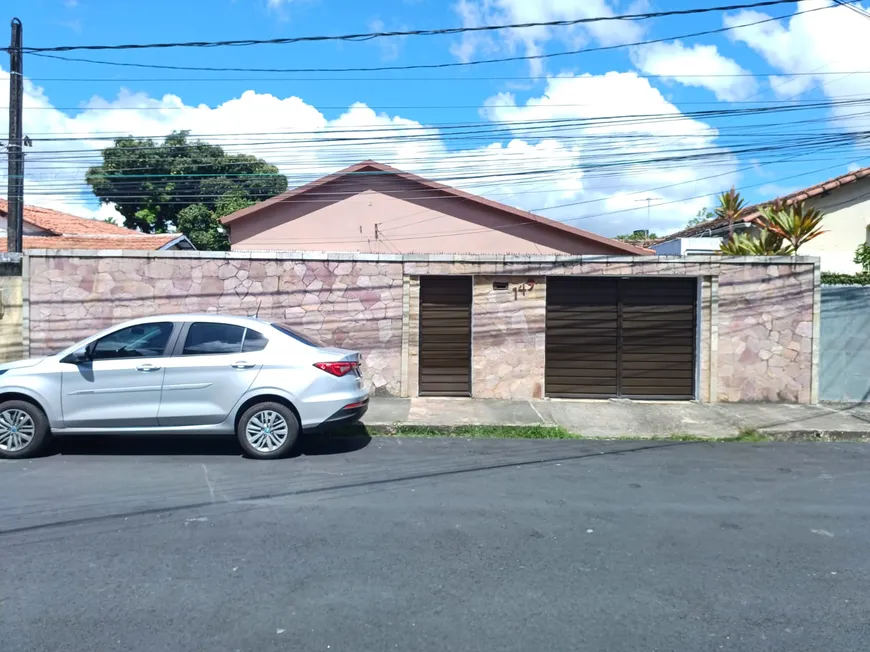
[{"x": 625, "y": 418}]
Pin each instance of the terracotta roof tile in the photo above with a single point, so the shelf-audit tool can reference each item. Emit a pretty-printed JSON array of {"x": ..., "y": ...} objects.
[
  {"x": 752, "y": 213},
  {"x": 72, "y": 232},
  {"x": 140, "y": 242},
  {"x": 64, "y": 223}
]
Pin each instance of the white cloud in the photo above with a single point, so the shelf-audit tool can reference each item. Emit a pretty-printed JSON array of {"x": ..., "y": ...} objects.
[
  {"x": 530, "y": 41},
  {"x": 614, "y": 173},
  {"x": 599, "y": 166},
  {"x": 830, "y": 40},
  {"x": 678, "y": 62}
]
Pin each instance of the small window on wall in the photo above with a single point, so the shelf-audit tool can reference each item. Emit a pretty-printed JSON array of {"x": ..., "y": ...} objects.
[{"x": 867, "y": 235}]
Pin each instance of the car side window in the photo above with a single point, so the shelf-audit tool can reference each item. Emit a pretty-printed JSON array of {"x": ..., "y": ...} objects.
[
  {"x": 254, "y": 341},
  {"x": 211, "y": 338},
  {"x": 140, "y": 341}
]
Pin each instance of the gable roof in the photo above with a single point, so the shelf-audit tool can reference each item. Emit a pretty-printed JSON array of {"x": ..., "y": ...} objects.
[
  {"x": 72, "y": 232},
  {"x": 141, "y": 242},
  {"x": 529, "y": 218},
  {"x": 63, "y": 223},
  {"x": 752, "y": 213}
]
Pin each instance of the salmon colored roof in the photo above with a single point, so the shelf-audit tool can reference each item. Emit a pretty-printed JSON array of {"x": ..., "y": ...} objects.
[
  {"x": 752, "y": 213},
  {"x": 64, "y": 223},
  {"x": 72, "y": 232},
  {"x": 141, "y": 242},
  {"x": 530, "y": 218}
]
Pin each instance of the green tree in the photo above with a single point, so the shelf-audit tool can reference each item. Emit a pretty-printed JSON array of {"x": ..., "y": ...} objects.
[
  {"x": 152, "y": 184},
  {"x": 764, "y": 244},
  {"x": 703, "y": 215},
  {"x": 862, "y": 257},
  {"x": 782, "y": 231},
  {"x": 796, "y": 224},
  {"x": 203, "y": 226},
  {"x": 731, "y": 206},
  {"x": 639, "y": 237}
]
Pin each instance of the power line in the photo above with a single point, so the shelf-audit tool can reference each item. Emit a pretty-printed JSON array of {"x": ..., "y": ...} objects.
[
  {"x": 429, "y": 66},
  {"x": 443, "y": 107},
  {"x": 416, "y": 32},
  {"x": 511, "y": 226},
  {"x": 459, "y": 173},
  {"x": 429, "y": 78},
  {"x": 858, "y": 10},
  {"x": 439, "y": 131}
]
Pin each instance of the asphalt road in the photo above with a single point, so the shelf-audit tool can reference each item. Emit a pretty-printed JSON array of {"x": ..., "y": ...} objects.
[{"x": 437, "y": 545}]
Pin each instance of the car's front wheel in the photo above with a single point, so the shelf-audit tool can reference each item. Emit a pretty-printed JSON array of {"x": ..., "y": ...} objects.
[
  {"x": 23, "y": 430},
  {"x": 268, "y": 430}
]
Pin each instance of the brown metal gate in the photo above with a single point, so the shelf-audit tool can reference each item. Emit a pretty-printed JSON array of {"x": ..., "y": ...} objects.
[
  {"x": 445, "y": 335},
  {"x": 582, "y": 333},
  {"x": 609, "y": 337}
]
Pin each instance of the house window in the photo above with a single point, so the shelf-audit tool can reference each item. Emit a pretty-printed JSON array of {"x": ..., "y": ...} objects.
[{"x": 867, "y": 235}]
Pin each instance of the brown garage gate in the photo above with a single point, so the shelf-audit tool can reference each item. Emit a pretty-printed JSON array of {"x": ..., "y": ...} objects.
[
  {"x": 445, "y": 335},
  {"x": 621, "y": 337}
]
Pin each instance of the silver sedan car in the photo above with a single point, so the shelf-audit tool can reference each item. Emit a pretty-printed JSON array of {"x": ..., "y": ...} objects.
[{"x": 183, "y": 374}]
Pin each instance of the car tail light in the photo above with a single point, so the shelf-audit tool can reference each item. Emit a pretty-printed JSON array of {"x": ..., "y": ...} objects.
[{"x": 337, "y": 368}]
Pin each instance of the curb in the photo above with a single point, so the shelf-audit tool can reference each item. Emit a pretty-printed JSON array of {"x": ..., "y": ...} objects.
[
  {"x": 805, "y": 435},
  {"x": 819, "y": 435}
]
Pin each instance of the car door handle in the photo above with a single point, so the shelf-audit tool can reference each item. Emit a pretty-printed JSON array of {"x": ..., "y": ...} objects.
[
  {"x": 243, "y": 365},
  {"x": 147, "y": 368}
]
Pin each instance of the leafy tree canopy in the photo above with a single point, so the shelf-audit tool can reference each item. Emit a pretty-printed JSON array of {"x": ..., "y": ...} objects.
[
  {"x": 638, "y": 237},
  {"x": 703, "y": 215},
  {"x": 181, "y": 185}
]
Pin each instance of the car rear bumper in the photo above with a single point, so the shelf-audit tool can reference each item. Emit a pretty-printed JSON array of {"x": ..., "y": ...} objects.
[{"x": 345, "y": 416}]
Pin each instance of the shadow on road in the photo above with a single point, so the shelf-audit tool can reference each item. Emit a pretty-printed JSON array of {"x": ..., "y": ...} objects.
[{"x": 326, "y": 443}]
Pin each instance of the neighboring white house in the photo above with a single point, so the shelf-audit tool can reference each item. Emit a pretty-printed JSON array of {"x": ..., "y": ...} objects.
[
  {"x": 845, "y": 201},
  {"x": 687, "y": 246}
]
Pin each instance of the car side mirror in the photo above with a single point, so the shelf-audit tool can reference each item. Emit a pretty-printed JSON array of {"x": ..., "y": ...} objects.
[{"x": 79, "y": 356}]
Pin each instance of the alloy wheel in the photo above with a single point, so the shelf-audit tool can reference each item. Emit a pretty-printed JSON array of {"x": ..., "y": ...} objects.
[
  {"x": 266, "y": 431},
  {"x": 16, "y": 430}
]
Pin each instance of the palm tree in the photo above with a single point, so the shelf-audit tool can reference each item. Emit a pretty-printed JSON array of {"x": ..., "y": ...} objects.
[
  {"x": 764, "y": 244},
  {"x": 731, "y": 205},
  {"x": 797, "y": 224}
]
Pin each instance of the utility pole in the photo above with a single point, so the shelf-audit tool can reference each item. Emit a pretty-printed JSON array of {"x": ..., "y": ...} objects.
[
  {"x": 15, "y": 148},
  {"x": 648, "y": 223}
]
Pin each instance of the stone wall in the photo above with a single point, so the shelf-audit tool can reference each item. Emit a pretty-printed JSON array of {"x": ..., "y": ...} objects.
[
  {"x": 766, "y": 337},
  {"x": 758, "y": 328},
  {"x": 508, "y": 337},
  {"x": 356, "y": 305}
]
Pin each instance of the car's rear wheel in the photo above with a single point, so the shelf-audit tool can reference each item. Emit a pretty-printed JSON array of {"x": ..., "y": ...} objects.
[
  {"x": 23, "y": 430},
  {"x": 268, "y": 430}
]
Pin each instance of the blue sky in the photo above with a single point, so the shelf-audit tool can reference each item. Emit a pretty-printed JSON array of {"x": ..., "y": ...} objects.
[{"x": 593, "y": 177}]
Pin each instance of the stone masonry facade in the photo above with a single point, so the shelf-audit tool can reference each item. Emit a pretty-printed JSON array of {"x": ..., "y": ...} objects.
[
  {"x": 757, "y": 332},
  {"x": 766, "y": 335},
  {"x": 355, "y": 305}
]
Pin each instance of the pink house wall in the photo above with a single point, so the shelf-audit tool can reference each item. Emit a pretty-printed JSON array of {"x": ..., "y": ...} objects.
[{"x": 384, "y": 214}]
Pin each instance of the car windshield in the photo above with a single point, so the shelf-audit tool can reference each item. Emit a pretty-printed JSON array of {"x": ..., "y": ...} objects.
[{"x": 298, "y": 336}]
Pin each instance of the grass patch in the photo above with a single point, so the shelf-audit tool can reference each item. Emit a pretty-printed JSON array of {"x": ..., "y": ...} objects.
[
  {"x": 750, "y": 434},
  {"x": 745, "y": 434},
  {"x": 682, "y": 438},
  {"x": 476, "y": 432},
  {"x": 522, "y": 432}
]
